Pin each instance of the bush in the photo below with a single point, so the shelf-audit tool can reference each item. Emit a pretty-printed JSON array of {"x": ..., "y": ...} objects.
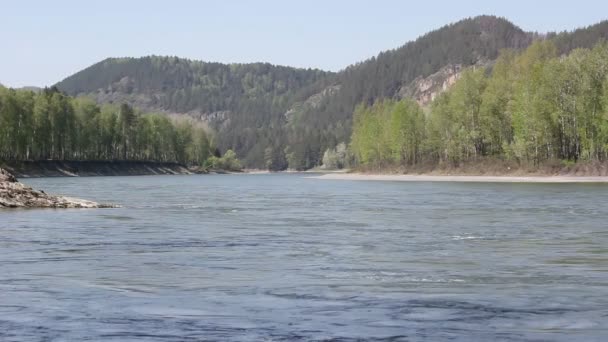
[{"x": 228, "y": 162}]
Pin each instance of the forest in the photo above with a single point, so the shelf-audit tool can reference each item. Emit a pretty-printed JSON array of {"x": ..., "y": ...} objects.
[
  {"x": 530, "y": 107},
  {"x": 277, "y": 117},
  {"x": 244, "y": 103},
  {"x": 50, "y": 125}
]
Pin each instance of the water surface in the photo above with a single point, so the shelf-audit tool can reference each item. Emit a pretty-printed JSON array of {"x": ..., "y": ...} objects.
[{"x": 282, "y": 257}]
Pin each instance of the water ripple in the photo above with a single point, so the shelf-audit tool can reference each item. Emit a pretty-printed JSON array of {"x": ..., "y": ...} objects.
[{"x": 287, "y": 258}]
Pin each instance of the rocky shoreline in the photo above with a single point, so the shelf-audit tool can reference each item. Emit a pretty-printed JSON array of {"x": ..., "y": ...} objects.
[{"x": 14, "y": 194}]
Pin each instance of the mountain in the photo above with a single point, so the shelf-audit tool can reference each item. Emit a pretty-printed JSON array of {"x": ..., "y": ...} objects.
[
  {"x": 280, "y": 116},
  {"x": 580, "y": 38},
  {"x": 173, "y": 84},
  {"x": 392, "y": 74},
  {"x": 244, "y": 103}
]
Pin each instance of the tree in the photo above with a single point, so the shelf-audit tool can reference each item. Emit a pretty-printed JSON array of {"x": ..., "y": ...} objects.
[
  {"x": 126, "y": 121},
  {"x": 407, "y": 129}
]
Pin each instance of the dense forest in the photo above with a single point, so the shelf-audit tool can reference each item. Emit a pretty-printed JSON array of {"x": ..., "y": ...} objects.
[
  {"x": 50, "y": 125},
  {"x": 244, "y": 103},
  {"x": 247, "y": 103},
  {"x": 280, "y": 117},
  {"x": 531, "y": 108},
  {"x": 465, "y": 43}
]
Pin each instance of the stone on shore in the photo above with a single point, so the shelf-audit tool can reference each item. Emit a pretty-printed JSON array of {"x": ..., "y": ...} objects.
[{"x": 14, "y": 194}]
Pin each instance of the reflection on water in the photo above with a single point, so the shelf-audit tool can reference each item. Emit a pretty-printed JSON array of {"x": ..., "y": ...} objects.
[{"x": 283, "y": 258}]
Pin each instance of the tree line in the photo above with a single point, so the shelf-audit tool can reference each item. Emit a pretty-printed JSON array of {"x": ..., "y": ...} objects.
[
  {"x": 281, "y": 117},
  {"x": 244, "y": 103},
  {"x": 530, "y": 107},
  {"x": 314, "y": 130},
  {"x": 386, "y": 75},
  {"x": 52, "y": 125}
]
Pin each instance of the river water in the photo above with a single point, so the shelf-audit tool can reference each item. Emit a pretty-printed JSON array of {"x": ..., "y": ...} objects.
[{"x": 283, "y": 257}]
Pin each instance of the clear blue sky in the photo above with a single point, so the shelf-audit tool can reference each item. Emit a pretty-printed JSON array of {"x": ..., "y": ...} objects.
[{"x": 46, "y": 41}]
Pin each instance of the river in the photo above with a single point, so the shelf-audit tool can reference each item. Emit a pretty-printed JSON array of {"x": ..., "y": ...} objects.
[{"x": 282, "y": 257}]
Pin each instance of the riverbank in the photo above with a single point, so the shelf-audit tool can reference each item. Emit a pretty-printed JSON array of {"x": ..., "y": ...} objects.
[
  {"x": 494, "y": 167},
  {"x": 52, "y": 168},
  {"x": 14, "y": 194},
  {"x": 468, "y": 179}
]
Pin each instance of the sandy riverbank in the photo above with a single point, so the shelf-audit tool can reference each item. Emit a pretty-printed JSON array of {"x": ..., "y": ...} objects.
[{"x": 470, "y": 179}]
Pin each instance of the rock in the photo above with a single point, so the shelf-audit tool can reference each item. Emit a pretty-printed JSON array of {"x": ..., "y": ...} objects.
[
  {"x": 425, "y": 89},
  {"x": 5, "y": 176},
  {"x": 14, "y": 194},
  {"x": 313, "y": 102}
]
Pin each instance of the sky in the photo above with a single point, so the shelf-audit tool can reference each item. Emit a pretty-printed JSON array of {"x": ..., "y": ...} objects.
[{"x": 44, "y": 42}]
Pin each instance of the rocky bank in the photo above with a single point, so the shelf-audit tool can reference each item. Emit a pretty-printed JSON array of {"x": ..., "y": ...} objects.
[{"x": 14, "y": 194}]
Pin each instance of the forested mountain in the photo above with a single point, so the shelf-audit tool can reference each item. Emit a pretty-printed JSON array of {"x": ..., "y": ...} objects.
[
  {"x": 182, "y": 86},
  {"x": 462, "y": 44},
  {"x": 580, "y": 38},
  {"x": 529, "y": 108},
  {"x": 276, "y": 117},
  {"x": 245, "y": 103}
]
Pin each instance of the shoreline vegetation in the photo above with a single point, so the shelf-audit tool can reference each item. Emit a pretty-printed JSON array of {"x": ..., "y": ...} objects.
[
  {"x": 533, "y": 110},
  {"x": 531, "y": 113},
  {"x": 288, "y": 118},
  {"x": 54, "y": 131}
]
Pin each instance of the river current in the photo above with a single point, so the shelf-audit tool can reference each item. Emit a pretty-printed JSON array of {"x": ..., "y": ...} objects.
[{"x": 283, "y": 257}]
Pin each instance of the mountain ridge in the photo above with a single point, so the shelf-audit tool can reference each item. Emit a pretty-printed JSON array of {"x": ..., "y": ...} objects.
[{"x": 247, "y": 103}]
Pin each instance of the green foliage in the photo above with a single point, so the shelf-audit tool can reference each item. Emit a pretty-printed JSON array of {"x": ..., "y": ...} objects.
[
  {"x": 463, "y": 43},
  {"x": 585, "y": 38},
  {"x": 246, "y": 102},
  {"x": 457, "y": 123},
  {"x": 51, "y": 125},
  {"x": 228, "y": 162},
  {"x": 388, "y": 132},
  {"x": 532, "y": 108},
  {"x": 300, "y": 114},
  {"x": 336, "y": 158},
  {"x": 275, "y": 159}
]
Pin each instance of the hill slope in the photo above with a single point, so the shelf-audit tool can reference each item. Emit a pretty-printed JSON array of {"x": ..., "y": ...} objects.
[
  {"x": 462, "y": 44},
  {"x": 237, "y": 99},
  {"x": 272, "y": 115}
]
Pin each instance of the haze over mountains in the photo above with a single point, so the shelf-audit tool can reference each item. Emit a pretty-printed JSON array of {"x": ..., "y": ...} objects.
[{"x": 284, "y": 115}]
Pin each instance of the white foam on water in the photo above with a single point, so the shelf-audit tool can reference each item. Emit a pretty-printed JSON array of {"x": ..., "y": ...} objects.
[{"x": 466, "y": 237}]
